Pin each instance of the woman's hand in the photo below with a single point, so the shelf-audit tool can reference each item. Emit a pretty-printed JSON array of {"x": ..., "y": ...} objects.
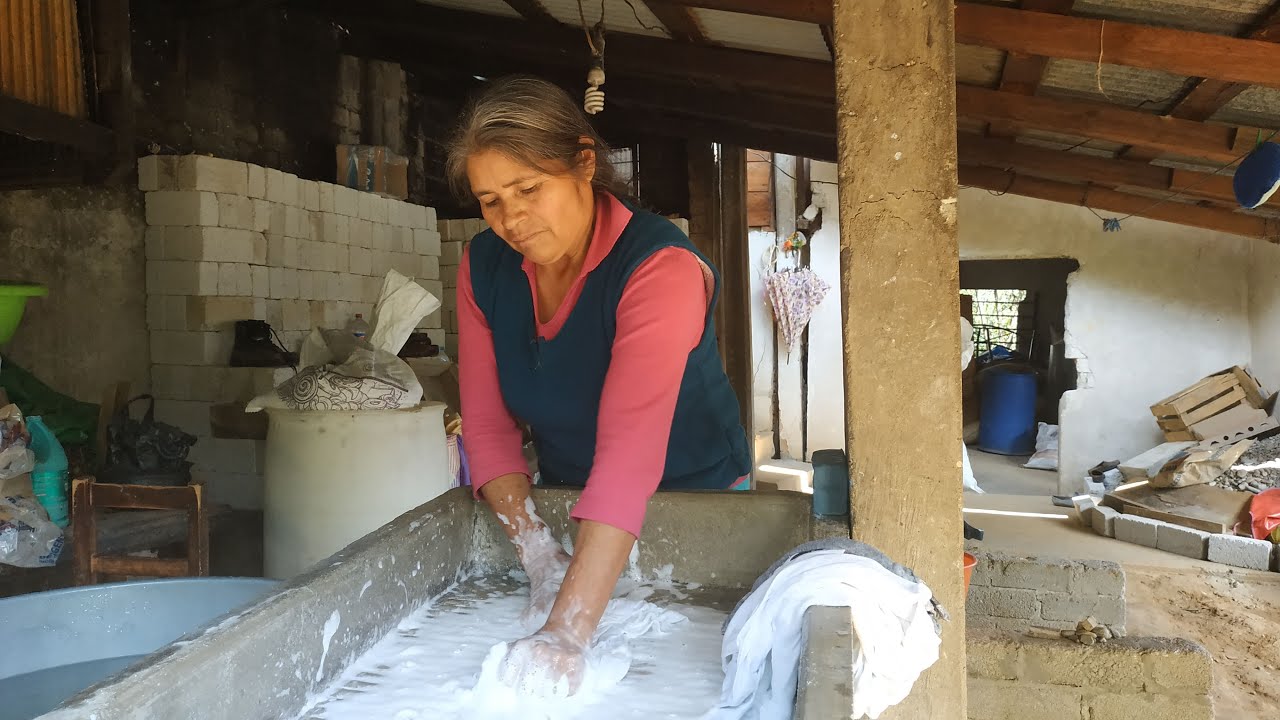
[{"x": 546, "y": 664}]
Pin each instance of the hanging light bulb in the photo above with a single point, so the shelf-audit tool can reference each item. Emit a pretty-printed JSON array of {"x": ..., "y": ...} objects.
[{"x": 593, "y": 99}]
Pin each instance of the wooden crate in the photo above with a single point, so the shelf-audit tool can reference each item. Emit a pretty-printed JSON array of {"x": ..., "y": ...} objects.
[{"x": 1231, "y": 389}]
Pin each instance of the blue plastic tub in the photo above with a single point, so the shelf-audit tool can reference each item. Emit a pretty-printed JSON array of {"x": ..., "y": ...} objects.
[
  {"x": 1008, "y": 417},
  {"x": 58, "y": 643}
]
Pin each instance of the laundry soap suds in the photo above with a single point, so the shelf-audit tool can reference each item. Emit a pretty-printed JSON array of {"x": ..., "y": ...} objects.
[
  {"x": 648, "y": 660},
  {"x": 330, "y": 629}
]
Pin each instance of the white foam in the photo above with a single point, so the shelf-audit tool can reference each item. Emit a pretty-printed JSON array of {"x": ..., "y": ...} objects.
[
  {"x": 330, "y": 629},
  {"x": 442, "y": 663}
]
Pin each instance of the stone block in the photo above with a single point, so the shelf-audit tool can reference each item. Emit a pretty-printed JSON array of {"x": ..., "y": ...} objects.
[
  {"x": 1104, "y": 521},
  {"x": 261, "y": 215},
  {"x": 223, "y": 455},
  {"x": 218, "y": 175},
  {"x": 1097, "y": 577},
  {"x": 1053, "y": 662},
  {"x": 346, "y": 201},
  {"x": 366, "y": 203},
  {"x": 309, "y": 255},
  {"x": 235, "y": 211},
  {"x": 178, "y": 207},
  {"x": 310, "y": 195},
  {"x": 282, "y": 251},
  {"x": 284, "y": 283},
  {"x": 178, "y": 277},
  {"x": 1020, "y": 572},
  {"x": 306, "y": 287},
  {"x": 415, "y": 216},
  {"x": 217, "y": 313},
  {"x": 1072, "y": 608},
  {"x": 381, "y": 262},
  {"x": 257, "y": 182},
  {"x": 157, "y": 172},
  {"x": 297, "y": 315},
  {"x": 401, "y": 239},
  {"x": 406, "y": 264},
  {"x": 335, "y": 229},
  {"x": 282, "y": 188},
  {"x": 379, "y": 236},
  {"x": 1006, "y": 700},
  {"x": 278, "y": 224},
  {"x": 449, "y": 275},
  {"x": 429, "y": 267},
  {"x": 153, "y": 242},
  {"x": 1183, "y": 541},
  {"x": 235, "y": 279},
  {"x": 339, "y": 257},
  {"x": 261, "y": 277},
  {"x": 426, "y": 242},
  {"x": 1165, "y": 707},
  {"x": 445, "y": 340},
  {"x": 992, "y": 658},
  {"x": 360, "y": 260},
  {"x": 1177, "y": 667},
  {"x": 275, "y": 314},
  {"x": 167, "y": 312},
  {"x": 214, "y": 244},
  {"x": 1003, "y": 602},
  {"x": 1240, "y": 552},
  {"x": 176, "y": 347},
  {"x": 324, "y": 193},
  {"x": 192, "y": 416},
  {"x": 360, "y": 233},
  {"x": 450, "y": 253},
  {"x": 396, "y": 214},
  {"x": 1137, "y": 530}
]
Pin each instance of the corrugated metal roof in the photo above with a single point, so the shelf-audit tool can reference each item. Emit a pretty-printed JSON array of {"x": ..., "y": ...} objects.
[
  {"x": 977, "y": 65},
  {"x": 488, "y": 7},
  {"x": 752, "y": 32},
  {"x": 1225, "y": 17},
  {"x": 1120, "y": 85},
  {"x": 1257, "y": 106},
  {"x": 635, "y": 18}
]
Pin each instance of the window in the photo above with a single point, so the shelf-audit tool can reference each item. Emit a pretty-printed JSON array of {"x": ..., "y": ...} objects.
[
  {"x": 626, "y": 162},
  {"x": 1002, "y": 317}
]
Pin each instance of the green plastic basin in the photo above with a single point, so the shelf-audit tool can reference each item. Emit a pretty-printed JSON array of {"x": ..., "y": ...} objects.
[{"x": 13, "y": 300}]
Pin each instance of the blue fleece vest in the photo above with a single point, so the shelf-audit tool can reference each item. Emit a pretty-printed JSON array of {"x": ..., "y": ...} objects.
[{"x": 554, "y": 386}]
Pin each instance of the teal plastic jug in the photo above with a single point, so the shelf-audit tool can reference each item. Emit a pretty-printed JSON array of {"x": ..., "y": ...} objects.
[{"x": 49, "y": 478}]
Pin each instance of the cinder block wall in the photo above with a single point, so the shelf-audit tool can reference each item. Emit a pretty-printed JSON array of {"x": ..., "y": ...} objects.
[
  {"x": 1019, "y": 678},
  {"x": 454, "y": 235},
  {"x": 1017, "y": 592},
  {"x": 229, "y": 241}
]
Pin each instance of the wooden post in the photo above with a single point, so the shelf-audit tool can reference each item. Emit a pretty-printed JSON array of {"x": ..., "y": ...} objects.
[
  {"x": 734, "y": 265},
  {"x": 899, "y": 262}
]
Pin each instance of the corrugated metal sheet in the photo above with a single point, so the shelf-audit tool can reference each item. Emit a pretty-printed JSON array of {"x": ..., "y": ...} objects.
[
  {"x": 751, "y": 32},
  {"x": 1133, "y": 87},
  {"x": 1257, "y": 106},
  {"x": 1225, "y": 17},
  {"x": 635, "y": 18},
  {"x": 489, "y": 7},
  {"x": 978, "y": 65},
  {"x": 40, "y": 54}
]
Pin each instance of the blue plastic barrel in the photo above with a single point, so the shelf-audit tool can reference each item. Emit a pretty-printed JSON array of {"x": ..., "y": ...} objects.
[{"x": 1008, "y": 417}]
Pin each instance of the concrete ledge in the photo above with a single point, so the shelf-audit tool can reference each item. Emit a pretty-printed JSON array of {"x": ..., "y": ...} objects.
[
  {"x": 1015, "y": 677},
  {"x": 1019, "y": 591},
  {"x": 1137, "y": 530},
  {"x": 1182, "y": 541},
  {"x": 824, "y": 689}
]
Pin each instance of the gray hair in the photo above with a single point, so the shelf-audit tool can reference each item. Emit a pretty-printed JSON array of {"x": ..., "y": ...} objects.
[{"x": 533, "y": 122}]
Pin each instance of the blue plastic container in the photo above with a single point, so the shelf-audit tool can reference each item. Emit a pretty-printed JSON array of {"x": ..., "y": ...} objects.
[
  {"x": 49, "y": 478},
  {"x": 1008, "y": 417}
]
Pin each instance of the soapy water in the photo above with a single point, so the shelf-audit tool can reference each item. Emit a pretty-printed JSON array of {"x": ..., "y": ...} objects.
[{"x": 649, "y": 660}]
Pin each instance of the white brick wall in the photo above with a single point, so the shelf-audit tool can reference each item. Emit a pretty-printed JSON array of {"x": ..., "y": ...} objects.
[
  {"x": 228, "y": 241},
  {"x": 449, "y": 241}
]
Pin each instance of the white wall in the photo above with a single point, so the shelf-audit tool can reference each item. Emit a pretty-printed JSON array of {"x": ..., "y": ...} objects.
[
  {"x": 1152, "y": 309},
  {"x": 1264, "y": 313},
  {"x": 826, "y": 334}
]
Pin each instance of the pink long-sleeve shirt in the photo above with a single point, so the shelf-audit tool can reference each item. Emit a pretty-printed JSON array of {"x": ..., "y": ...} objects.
[{"x": 660, "y": 320}]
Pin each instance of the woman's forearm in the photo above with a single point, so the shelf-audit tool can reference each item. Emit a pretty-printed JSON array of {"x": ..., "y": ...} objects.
[{"x": 600, "y": 554}]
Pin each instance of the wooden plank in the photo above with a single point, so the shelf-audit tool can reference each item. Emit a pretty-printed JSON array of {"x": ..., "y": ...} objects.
[
  {"x": 1060, "y": 164},
  {"x": 37, "y": 123},
  {"x": 1180, "y": 52},
  {"x": 1211, "y": 506},
  {"x": 759, "y": 210},
  {"x": 1213, "y": 407},
  {"x": 1022, "y": 73},
  {"x": 735, "y": 269},
  {"x": 1203, "y": 390},
  {"x": 1104, "y": 122},
  {"x": 1227, "y": 423},
  {"x": 1210, "y": 526},
  {"x": 1102, "y": 199},
  {"x": 125, "y": 566},
  {"x": 1148, "y": 464},
  {"x": 148, "y": 497},
  {"x": 198, "y": 535},
  {"x": 84, "y": 535},
  {"x": 790, "y": 369},
  {"x": 679, "y": 22}
]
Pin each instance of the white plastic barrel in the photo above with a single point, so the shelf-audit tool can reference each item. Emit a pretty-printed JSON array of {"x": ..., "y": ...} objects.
[{"x": 332, "y": 477}]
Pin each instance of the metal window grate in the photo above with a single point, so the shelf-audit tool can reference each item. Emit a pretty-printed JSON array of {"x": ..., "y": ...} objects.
[
  {"x": 627, "y": 164},
  {"x": 1002, "y": 318}
]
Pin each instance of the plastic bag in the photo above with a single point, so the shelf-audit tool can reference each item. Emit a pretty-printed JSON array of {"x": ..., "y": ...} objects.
[
  {"x": 27, "y": 537},
  {"x": 16, "y": 458},
  {"x": 1046, "y": 454}
]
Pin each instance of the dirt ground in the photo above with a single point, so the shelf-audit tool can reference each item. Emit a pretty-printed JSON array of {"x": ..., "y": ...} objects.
[{"x": 1234, "y": 615}]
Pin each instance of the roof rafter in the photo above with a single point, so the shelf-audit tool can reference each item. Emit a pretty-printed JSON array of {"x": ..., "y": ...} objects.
[
  {"x": 1022, "y": 73},
  {"x": 532, "y": 10},
  {"x": 679, "y": 21}
]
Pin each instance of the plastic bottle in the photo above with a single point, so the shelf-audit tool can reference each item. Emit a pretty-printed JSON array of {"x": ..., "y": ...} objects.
[
  {"x": 49, "y": 478},
  {"x": 358, "y": 327}
]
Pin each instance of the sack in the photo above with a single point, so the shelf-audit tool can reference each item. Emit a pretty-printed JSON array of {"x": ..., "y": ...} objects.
[
  {"x": 146, "y": 452},
  {"x": 27, "y": 537},
  {"x": 1046, "y": 454}
]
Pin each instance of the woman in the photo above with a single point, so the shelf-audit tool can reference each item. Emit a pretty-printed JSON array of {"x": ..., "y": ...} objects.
[{"x": 590, "y": 321}]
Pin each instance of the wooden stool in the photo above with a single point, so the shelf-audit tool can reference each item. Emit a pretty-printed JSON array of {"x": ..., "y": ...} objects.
[{"x": 88, "y": 496}]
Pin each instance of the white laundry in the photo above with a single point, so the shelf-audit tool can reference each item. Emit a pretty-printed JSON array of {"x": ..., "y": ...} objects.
[{"x": 896, "y": 636}]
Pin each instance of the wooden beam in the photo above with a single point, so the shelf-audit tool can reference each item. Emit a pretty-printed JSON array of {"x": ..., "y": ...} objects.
[
  {"x": 1098, "y": 198},
  {"x": 1180, "y": 52},
  {"x": 679, "y": 21},
  {"x": 113, "y": 54},
  {"x": 532, "y": 10},
  {"x": 36, "y": 123},
  {"x": 1206, "y": 96},
  {"x": 810, "y": 11},
  {"x": 1022, "y": 73},
  {"x": 1213, "y": 187},
  {"x": 829, "y": 38},
  {"x": 1104, "y": 122},
  {"x": 735, "y": 265}
]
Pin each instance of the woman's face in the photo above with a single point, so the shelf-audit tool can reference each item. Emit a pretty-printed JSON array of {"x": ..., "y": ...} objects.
[{"x": 543, "y": 214}]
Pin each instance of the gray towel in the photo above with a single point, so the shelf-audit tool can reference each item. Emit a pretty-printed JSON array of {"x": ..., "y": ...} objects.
[{"x": 850, "y": 547}]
